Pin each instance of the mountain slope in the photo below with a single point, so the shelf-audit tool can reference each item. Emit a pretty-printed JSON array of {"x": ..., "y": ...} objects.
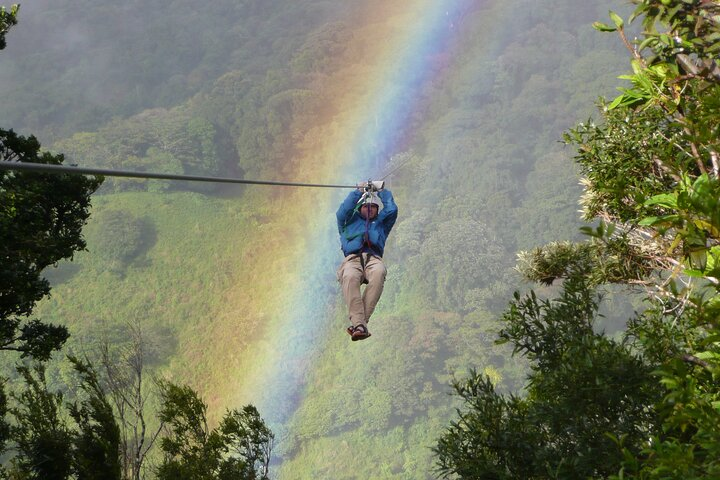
[{"x": 236, "y": 286}]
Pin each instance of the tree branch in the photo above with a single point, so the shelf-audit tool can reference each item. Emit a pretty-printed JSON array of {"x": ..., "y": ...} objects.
[
  {"x": 692, "y": 359},
  {"x": 629, "y": 46}
]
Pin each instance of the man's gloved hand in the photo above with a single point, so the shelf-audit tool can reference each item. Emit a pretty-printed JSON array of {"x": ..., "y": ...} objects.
[{"x": 375, "y": 186}]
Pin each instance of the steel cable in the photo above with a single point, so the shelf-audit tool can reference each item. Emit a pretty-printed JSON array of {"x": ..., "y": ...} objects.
[{"x": 63, "y": 169}]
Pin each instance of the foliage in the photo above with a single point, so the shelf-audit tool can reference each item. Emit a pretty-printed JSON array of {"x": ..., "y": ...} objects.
[
  {"x": 463, "y": 252},
  {"x": 55, "y": 439},
  {"x": 651, "y": 174},
  {"x": 606, "y": 258},
  {"x": 4, "y": 424},
  {"x": 482, "y": 132},
  {"x": 168, "y": 141},
  {"x": 155, "y": 60},
  {"x": 41, "y": 217},
  {"x": 583, "y": 389},
  {"x": 675, "y": 79},
  {"x": 7, "y": 20},
  {"x": 50, "y": 447},
  {"x": 97, "y": 443},
  {"x": 42, "y": 435},
  {"x": 119, "y": 237},
  {"x": 239, "y": 447},
  {"x": 125, "y": 369},
  {"x": 250, "y": 442}
]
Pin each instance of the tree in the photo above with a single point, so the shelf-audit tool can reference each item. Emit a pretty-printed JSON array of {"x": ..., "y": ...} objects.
[
  {"x": 651, "y": 173},
  {"x": 239, "y": 448},
  {"x": 42, "y": 436},
  {"x": 41, "y": 219},
  {"x": 97, "y": 440},
  {"x": 7, "y": 20},
  {"x": 665, "y": 128},
  {"x": 119, "y": 237},
  {"x": 125, "y": 371},
  {"x": 48, "y": 446},
  {"x": 583, "y": 389},
  {"x": 4, "y": 424}
]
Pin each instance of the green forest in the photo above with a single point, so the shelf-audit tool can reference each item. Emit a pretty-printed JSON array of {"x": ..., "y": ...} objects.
[{"x": 551, "y": 303}]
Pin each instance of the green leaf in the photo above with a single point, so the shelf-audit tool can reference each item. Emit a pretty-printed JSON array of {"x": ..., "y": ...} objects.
[
  {"x": 698, "y": 259},
  {"x": 617, "y": 20},
  {"x": 713, "y": 37},
  {"x": 707, "y": 355},
  {"x": 673, "y": 11},
  {"x": 669, "y": 383},
  {"x": 668, "y": 200},
  {"x": 636, "y": 66},
  {"x": 650, "y": 221},
  {"x": 691, "y": 272},
  {"x": 615, "y": 103},
  {"x": 602, "y": 27},
  {"x": 638, "y": 11}
]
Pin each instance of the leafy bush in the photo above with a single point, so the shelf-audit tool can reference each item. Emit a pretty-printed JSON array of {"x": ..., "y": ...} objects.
[{"x": 120, "y": 237}]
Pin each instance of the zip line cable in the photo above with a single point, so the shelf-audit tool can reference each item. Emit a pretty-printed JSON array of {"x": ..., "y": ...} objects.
[
  {"x": 61, "y": 169},
  {"x": 397, "y": 168}
]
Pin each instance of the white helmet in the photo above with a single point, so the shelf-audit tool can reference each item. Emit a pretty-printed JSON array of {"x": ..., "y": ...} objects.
[{"x": 372, "y": 199}]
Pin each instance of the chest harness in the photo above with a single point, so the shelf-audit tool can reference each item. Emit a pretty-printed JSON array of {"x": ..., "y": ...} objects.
[{"x": 367, "y": 246}]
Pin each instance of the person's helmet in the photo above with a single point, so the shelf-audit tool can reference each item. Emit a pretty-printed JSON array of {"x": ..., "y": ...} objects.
[{"x": 374, "y": 199}]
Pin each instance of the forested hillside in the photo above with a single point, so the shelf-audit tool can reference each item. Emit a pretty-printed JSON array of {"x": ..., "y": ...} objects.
[
  {"x": 216, "y": 276},
  {"x": 95, "y": 61}
]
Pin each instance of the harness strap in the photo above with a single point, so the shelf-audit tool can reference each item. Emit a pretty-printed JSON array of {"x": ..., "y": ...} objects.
[
  {"x": 363, "y": 263},
  {"x": 356, "y": 210}
]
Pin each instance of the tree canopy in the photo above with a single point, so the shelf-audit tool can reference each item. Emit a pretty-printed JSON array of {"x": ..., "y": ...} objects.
[
  {"x": 41, "y": 220},
  {"x": 651, "y": 180},
  {"x": 240, "y": 447},
  {"x": 487, "y": 177},
  {"x": 7, "y": 20}
]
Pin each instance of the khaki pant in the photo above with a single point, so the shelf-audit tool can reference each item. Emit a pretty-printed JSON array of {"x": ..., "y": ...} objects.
[{"x": 351, "y": 276}]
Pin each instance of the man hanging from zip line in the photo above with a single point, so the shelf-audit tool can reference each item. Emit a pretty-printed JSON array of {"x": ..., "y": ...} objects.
[{"x": 365, "y": 219}]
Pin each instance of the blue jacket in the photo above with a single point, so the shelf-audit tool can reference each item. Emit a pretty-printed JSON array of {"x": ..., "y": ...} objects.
[{"x": 352, "y": 226}]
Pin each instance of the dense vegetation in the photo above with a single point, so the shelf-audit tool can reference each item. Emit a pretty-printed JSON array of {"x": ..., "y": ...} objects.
[
  {"x": 643, "y": 404},
  {"x": 95, "y": 68},
  {"x": 231, "y": 90},
  {"x": 42, "y": 436}
]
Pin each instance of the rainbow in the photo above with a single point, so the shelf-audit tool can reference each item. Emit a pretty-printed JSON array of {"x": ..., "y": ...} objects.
[{"x": 397, "y": 50}]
